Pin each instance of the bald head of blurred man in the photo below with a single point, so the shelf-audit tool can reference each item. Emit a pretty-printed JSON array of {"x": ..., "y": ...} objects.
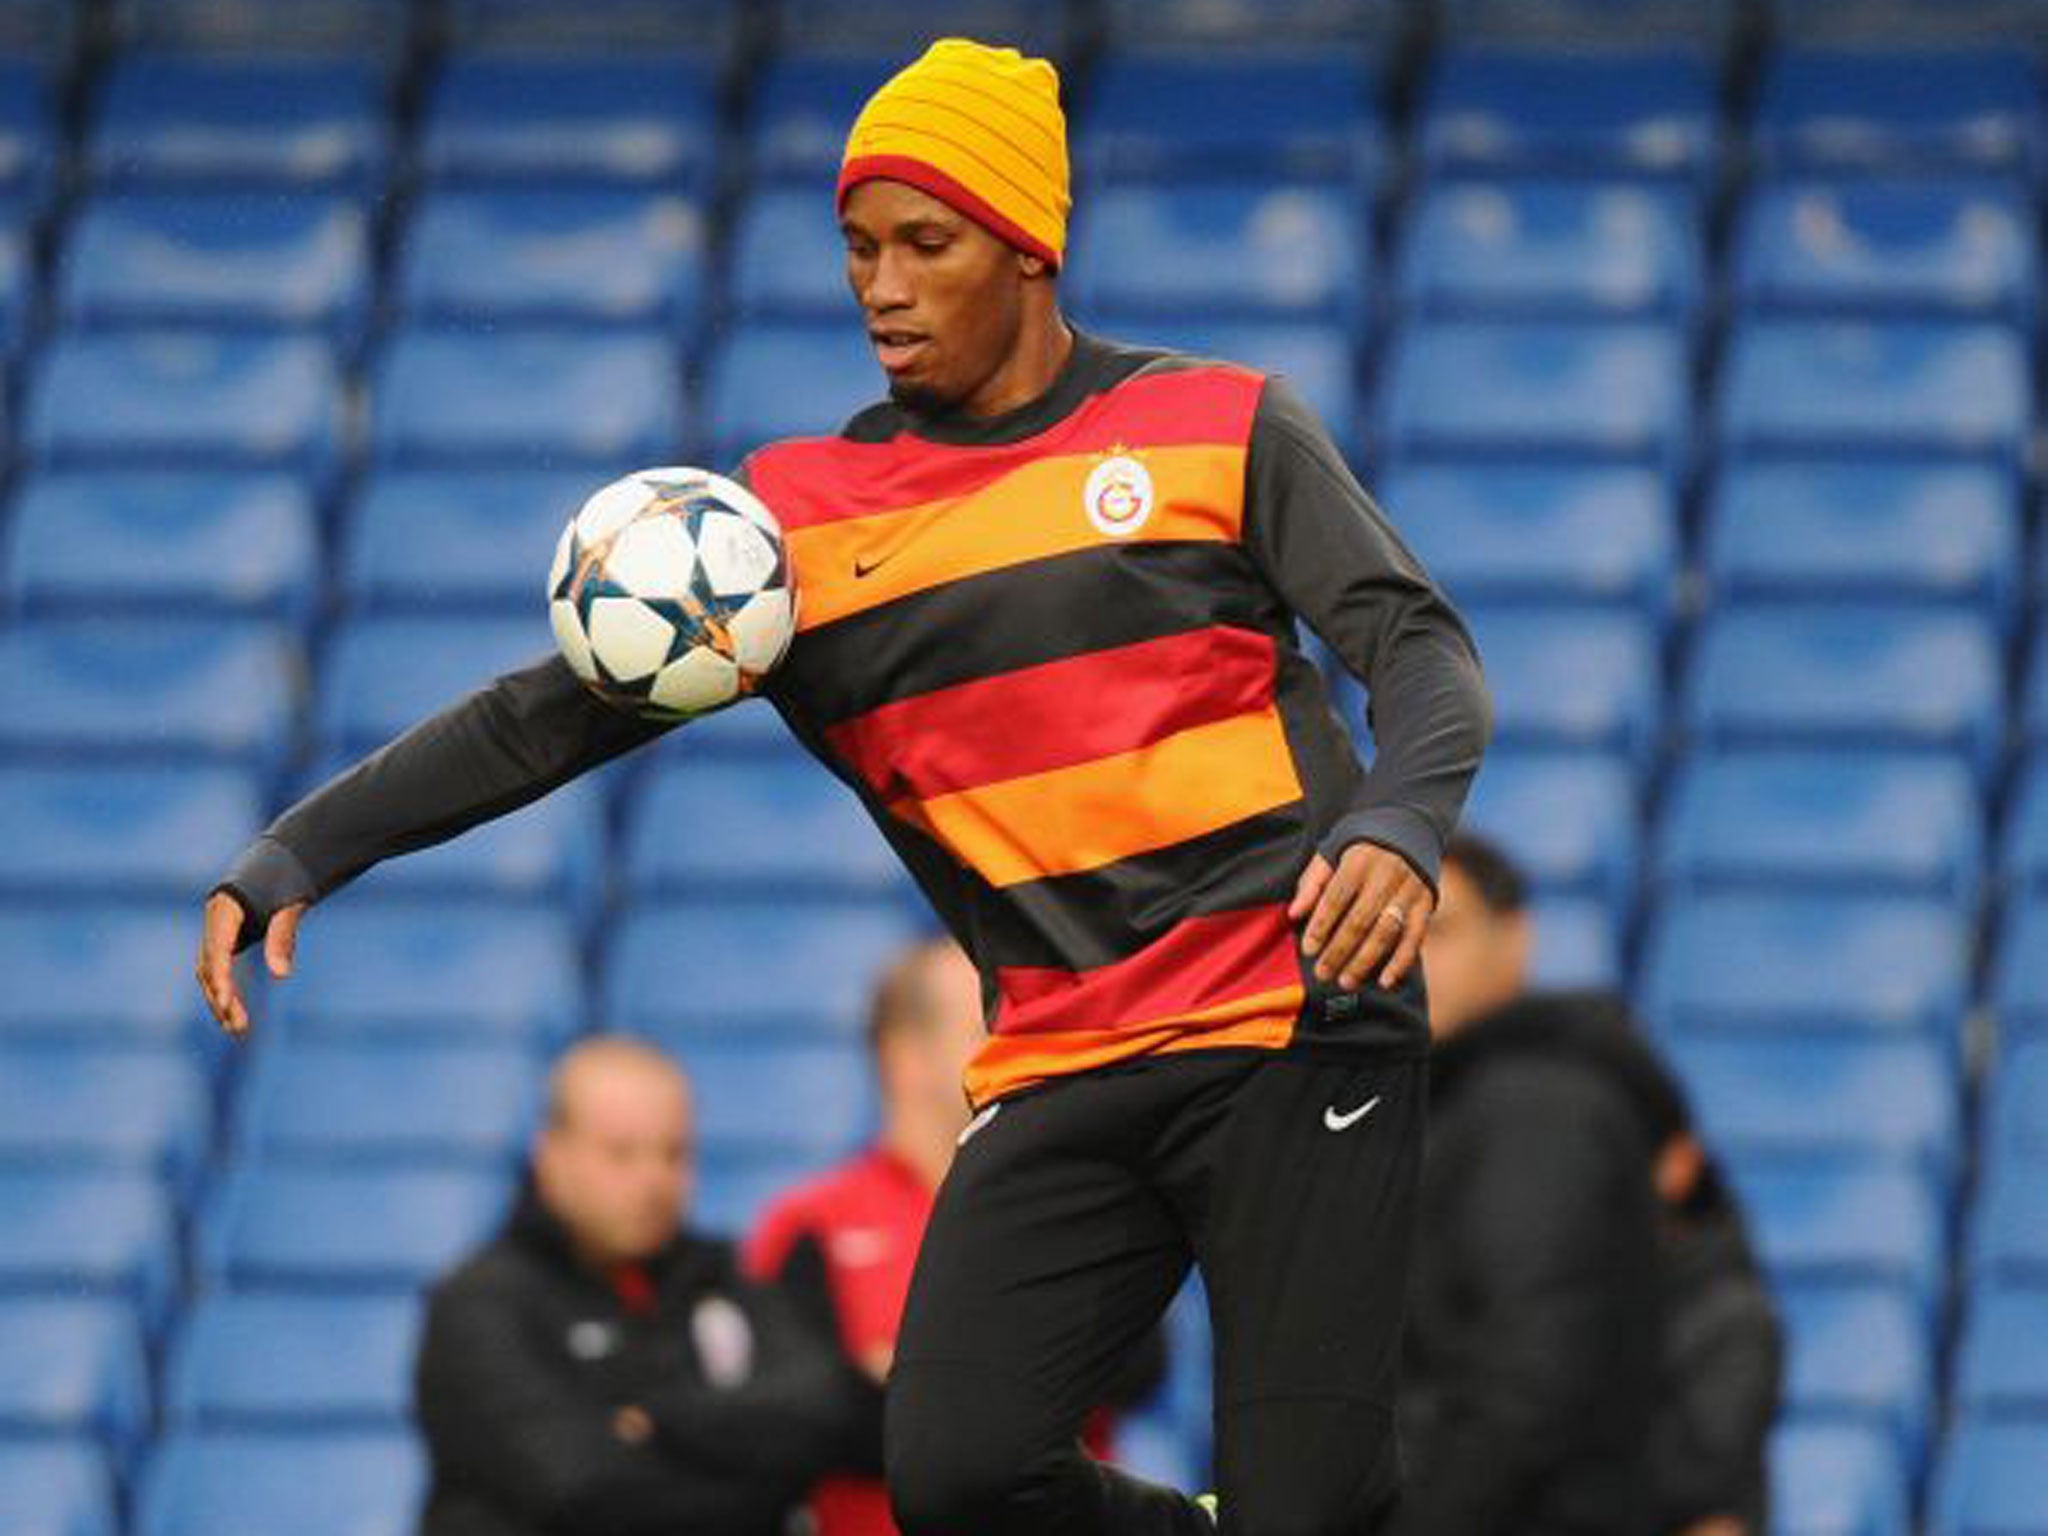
[
  {"x": 925, "y": 1023},
  {"x": 615, "y": 1162}
]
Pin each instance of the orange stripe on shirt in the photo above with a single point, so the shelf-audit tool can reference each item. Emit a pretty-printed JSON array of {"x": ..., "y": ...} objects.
[
  {"x": 1034, "y": 512},
  {"x": 1082, "y": 817}
]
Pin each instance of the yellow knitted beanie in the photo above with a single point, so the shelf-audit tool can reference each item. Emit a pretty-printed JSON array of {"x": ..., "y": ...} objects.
[{"x": 980, "y": 129}]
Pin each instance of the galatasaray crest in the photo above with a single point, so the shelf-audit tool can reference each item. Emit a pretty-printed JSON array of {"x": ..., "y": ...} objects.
[{"x": 1118, "y": 495}]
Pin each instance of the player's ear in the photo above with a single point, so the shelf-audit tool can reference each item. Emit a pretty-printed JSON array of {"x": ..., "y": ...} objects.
[{"x": 1031, "y": 264}]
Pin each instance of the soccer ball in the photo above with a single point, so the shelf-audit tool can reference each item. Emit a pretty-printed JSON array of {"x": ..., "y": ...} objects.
[{"x": 670, "y": 593}]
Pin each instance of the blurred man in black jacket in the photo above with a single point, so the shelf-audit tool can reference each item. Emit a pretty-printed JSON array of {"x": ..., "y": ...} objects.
[
  {"x": 1592, "y": 1350},
  {"x": 598, "y": 1370}
]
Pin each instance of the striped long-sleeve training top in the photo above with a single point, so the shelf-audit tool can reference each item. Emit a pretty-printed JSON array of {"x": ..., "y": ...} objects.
[{"x": 1055, "y": 655}]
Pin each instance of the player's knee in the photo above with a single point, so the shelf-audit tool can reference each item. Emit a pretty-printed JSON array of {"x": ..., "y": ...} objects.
[{"x": 958, "y": 1460}]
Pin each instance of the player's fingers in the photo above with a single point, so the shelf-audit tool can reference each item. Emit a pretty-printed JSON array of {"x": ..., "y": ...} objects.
[
  {"x": 1354, "y": 926},
  {"x": 1314, "y": 877},
  {"x": 1407, "y": 952},
  {"x": 1380, "y": 922},
  {"x": 1331, "y": 904},
  {"x": 213, "y": 968},
  {"x": 281, "y": 941}
]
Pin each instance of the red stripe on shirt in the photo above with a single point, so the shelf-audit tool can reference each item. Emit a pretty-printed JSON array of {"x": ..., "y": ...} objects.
[
  {"x": 1057, "y": 714},
  {"x": 1195, "y": 965}
]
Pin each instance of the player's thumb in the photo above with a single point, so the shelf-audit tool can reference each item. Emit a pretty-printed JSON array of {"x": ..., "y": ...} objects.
[{"x": 281, "y": 941}]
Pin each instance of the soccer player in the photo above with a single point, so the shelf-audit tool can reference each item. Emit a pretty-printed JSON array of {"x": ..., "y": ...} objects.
[{"x": 1049, "y": 592}]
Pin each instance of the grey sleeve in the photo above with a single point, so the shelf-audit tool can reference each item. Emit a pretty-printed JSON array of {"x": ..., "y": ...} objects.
[
  {"x": 505, "y": 745},
  {"x": 1331, "y": 554}
]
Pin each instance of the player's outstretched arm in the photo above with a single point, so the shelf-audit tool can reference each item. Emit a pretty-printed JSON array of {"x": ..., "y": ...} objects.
[{"x": 502, "y": 747}]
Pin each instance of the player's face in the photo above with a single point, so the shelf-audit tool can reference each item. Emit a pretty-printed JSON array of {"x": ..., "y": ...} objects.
[
  {"x": 1474, "y": 960},
  {"x": 616, "y": 1169},
  {"x": 942, "y": 298}
]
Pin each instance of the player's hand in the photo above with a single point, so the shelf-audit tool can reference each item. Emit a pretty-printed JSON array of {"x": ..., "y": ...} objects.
[
  {"x": 216, "y": 967},
  {"x": 1370, "y": 912}
]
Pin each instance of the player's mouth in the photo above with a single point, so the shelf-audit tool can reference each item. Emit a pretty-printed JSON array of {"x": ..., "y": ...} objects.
[{"x": 898, "y": 351}]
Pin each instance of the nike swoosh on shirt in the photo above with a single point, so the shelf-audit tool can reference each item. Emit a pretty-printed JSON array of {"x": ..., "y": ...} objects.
[{"x": 1336, "y": 1122}]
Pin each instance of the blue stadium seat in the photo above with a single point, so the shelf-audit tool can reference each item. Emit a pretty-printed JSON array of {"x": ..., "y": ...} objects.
[
  {"x": 704, "y": 28},
  {"x": 275, "y": 1225},
  {"x": 1992, "y": 1480},
  {"x": 1850, "y": 1099},
  {"x": 119, "y": 832},
  {"x": 88, "y": 1232},
  {"x": 1340, "y": 26},
  {"x": 556, "y": 397},
  {"x": 28, "y": 142},
  {"x": 779, "y": 1098},
  {"x": 1539, "y": 532},
  {"x": 573, "y": 120},
  {"x": 2009, "y": 1225},
  {"x": 257, "y": 1484},
  {"x": 1569, "y": 819},
  {"x": 590, "y": 254},
  {"x": 330, "y": 1102},
  {"x": 1837, "y": 1480},
  {"x": 1868, "y": 964},
  {"x": 1849, "y": 675},
  {"x": 89, "y": 973},
  {"x": 385, "y": 674},
  {"x": 218, "y": 258},
  {"x": 82, "y": 541},
  {"x": 185, "y": 397},
  {"x": 73, "y": 1367},
  {"x": 784, "y": 828},
  {"x": 1223, "y": 248},
  {"x": 1532, "y": 248},
  {"x": 1607, "y": 390},
  {"x": 2002, "y": 1362},
  {"x": 166, "y": 118},
  {"x": 789, "y": 259},
  {"x": 727, "y": 966},
  {"x": 449, "y": 539},
  {"x": 892, "y": 32},
  {"x": 268, "y": 1361},
  {"x": 1318, "y": 360},
  {"x": 1817, "y": 1224},
  {"x": 1891, "y": 109},
  {"x": 804, "y": 107},
  {"x": 1278, "y": 117},
  {"x": 1700, "y": 24},
  {"x": 2034, "y": 705},
  {"x": 1843, "y": 821},
  {"x": 1886, "y": 245},
  {"x": 55, "y": 1488},
  {"x": 2016, "y": 1120},
  {"x": 104, "y": 1106},
  {"x": 771, "y": 381},
  {"x": 1891, "y": 386},
  {"x": 367, "y": 30},
  {"x": 1859, "y": 1352},
  {"x": 2025, "y": 843},
  {"x": 1149, "y": 1444},
  {"x": 1584, "y": 678},
  {"x": 434, "y": 967},
  {"x": 1648, "y": 111},
  {"x": 1854, "y": 528},
  {"x": 1578, "y": 945},
  {"x": 156, "y": 687},
  {"x": 2020, "y": 985}
]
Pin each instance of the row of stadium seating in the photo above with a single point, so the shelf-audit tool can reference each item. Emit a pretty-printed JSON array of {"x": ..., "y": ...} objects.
[{"x": 1701, "y": 377}]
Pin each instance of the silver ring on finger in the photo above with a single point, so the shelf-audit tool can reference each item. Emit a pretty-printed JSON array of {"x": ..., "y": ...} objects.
[{"x": 1394, "y": 910}]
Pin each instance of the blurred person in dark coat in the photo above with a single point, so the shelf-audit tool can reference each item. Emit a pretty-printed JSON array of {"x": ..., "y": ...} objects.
[
  {"x": 597, "y": 1368},
  {"x": 1592, "y": 1350}
]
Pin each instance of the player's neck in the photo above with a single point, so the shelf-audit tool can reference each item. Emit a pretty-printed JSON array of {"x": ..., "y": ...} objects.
[
  {"x": 1044, "y": 347},
  {"x": 926, "y": 1150}
]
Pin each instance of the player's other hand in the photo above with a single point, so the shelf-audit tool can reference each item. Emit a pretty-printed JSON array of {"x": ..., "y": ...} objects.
[
  {"x": 216, "y": 967},
  {"x": 1368, "y": 914}
]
